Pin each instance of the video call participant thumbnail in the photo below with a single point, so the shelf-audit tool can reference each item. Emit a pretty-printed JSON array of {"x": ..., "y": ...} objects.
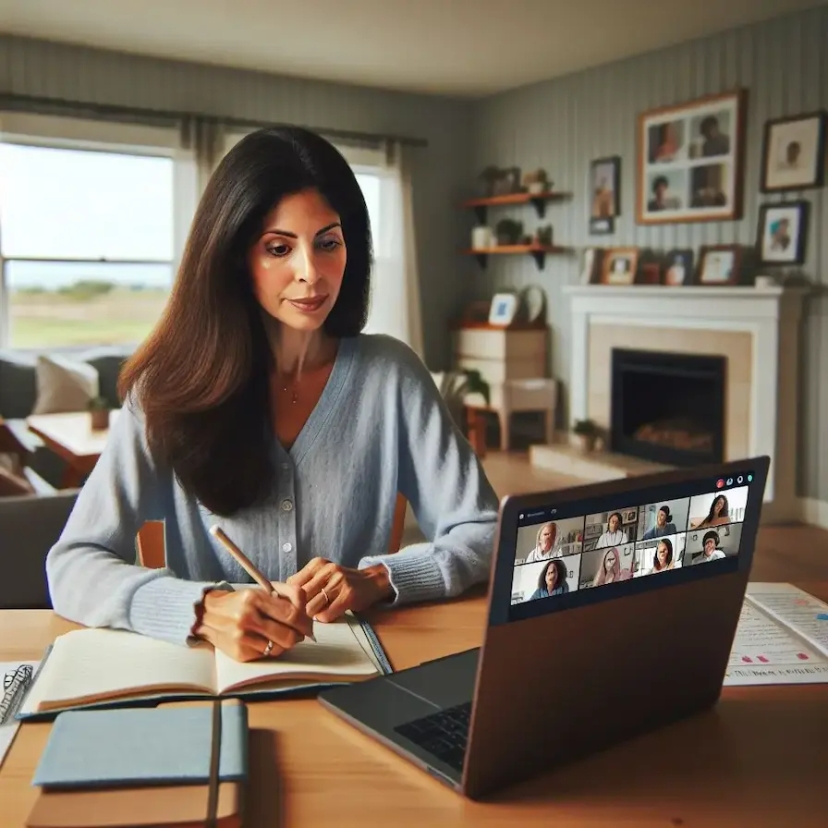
[
  {"x": 606, "y": 566},
  {"x": 714, "y": 544},
  {"x": 610, "y": 529},
  {"x": 661, "y": 555},
  {"x": 718, "y": 508},
  {"x": 555, "y": 576},
  {"x": 658, "y": 520},
  {"x": 551, "y": 539}
]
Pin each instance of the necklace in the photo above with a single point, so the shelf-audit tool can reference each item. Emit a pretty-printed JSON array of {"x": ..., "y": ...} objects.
[{"x": 293, "y": 394}]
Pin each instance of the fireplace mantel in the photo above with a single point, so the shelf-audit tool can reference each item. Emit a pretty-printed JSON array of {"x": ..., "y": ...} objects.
[{"x": 770, "y": 315}]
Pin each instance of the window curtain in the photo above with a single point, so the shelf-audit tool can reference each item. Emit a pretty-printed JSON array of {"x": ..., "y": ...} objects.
[
  {"x": 395, "y": 287},
  {"x": 201, "y": 147}
]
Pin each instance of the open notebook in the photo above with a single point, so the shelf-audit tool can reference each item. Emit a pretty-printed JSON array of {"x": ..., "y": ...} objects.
[{"x": 92, "y": 667}]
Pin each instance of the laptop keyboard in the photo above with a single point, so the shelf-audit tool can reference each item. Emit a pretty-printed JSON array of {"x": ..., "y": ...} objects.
[{"x": 443, "y": 734}]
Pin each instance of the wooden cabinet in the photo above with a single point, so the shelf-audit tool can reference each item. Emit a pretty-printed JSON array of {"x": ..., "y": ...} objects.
[{"x": 502, "y": 354}]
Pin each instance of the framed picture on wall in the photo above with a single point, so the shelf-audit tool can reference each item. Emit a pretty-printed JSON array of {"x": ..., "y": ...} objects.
[
  {"x": 782, "y": 232},
  {"x": 604, "y": 189},
  {"x": 690, "y": 160},
  {"x": 793, "y": 153}
]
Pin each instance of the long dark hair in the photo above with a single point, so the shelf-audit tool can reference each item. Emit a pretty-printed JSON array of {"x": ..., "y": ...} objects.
[
  {"x": 559, "y": 568},
  {"x": 201, "y": 377}
]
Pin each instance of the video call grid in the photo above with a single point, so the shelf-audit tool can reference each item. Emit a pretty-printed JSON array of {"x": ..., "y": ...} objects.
[{"x": 561, "y": 556}]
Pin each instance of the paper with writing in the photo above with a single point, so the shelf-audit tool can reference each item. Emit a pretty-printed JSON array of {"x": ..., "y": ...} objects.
[{"x": 772, "y": 643}]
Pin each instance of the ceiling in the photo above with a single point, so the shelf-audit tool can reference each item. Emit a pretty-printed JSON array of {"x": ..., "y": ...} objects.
[{"x": 468, "y": 48}]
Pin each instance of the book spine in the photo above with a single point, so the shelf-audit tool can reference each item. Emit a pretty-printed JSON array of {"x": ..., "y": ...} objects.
[{"x": 379, "y": 652}]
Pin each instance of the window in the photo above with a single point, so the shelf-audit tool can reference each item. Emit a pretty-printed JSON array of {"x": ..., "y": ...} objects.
[
  {"x": 86, "y": 239},
  {"x": 370, "y": 183}
]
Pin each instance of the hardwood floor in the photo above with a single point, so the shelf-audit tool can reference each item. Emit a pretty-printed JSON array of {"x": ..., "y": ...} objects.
[{"x": 783, "y": 553}]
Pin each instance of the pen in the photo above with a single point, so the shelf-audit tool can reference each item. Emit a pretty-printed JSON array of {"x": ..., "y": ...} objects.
[{"x": 246, "y": 564}]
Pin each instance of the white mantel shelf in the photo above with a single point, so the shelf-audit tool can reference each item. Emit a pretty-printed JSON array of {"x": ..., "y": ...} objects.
[{"x": 770, "y": 314}]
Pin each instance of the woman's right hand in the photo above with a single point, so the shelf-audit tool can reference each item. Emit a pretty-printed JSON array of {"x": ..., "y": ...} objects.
[{"x": 243, "y": 623}]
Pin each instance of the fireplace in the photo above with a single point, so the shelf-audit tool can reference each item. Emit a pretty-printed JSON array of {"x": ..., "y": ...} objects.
[{"x": 668, "y": 407}]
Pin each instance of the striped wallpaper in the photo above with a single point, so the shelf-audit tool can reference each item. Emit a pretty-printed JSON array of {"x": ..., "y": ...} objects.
[{"x": 564, "y": 123}]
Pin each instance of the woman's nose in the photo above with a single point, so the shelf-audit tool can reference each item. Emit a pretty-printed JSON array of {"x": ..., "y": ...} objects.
[{"x": 306, "y": 268}]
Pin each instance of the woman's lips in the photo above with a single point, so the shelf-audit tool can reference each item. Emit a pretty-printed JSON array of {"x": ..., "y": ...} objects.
[{"x": 308, "y": 305}]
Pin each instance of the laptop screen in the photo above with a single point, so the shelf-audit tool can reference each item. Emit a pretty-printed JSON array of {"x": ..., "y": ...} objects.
[{"x": 571, "y": 549}]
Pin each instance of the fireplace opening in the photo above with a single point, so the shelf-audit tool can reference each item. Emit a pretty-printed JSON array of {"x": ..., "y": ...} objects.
[{"x": 666, "y": 407}]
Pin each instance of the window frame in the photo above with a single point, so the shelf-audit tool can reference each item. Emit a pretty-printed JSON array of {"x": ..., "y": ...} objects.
[{"x": 59, "y": 132}]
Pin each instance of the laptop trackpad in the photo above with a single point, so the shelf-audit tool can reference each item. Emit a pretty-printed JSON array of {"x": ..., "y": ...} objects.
[{"x": 445, "y": 682}]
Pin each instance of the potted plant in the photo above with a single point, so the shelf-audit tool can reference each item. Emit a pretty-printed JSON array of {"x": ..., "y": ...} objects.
[
  {"x": 475, "y": 384},
  {"x": 536, "y": 182},
  {"x": 508, "y": 231},
  {"x": 99, "y": 413},
  {"x": 587, "y": 433}
]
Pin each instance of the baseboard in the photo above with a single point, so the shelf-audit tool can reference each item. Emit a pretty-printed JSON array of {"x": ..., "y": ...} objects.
[{"x": 814, "y": 511}]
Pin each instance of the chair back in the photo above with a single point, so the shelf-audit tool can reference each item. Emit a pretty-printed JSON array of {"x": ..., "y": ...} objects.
[{"x": 151, "y": 545}]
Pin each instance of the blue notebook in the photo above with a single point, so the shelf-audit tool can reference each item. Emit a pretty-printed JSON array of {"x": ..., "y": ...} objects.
[{"x": 145, "y": 746}]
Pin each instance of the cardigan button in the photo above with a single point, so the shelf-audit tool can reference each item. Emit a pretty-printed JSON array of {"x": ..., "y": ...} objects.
[{"x": 287, "y": 505}]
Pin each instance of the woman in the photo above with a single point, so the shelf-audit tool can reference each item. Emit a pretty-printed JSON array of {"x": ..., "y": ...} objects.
[
  {"x": 717, "y": 516},
  {"x": 614, "y": 536},
  {"x": 545, "y": 543},
  {"x": 610, "y": 569},
  {"x": 257, "y": 405},
  {"x": 662, "y": 557},
  {"x": 663, "y": 526},
  {"x": 552, "y": 580}
]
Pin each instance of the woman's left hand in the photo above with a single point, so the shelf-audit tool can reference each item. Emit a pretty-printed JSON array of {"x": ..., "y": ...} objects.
[{"x": 331, "y": 590}]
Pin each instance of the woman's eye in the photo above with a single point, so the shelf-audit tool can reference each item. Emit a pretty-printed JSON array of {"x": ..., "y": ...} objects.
[
  {"x": 330, "y": 244},
  {"x": 278, "y": 249}
]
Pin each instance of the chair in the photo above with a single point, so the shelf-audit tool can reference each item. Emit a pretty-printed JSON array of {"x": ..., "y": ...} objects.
[
  {"x": 151, "y": 547},
  {"x": 30, "y": 525}
]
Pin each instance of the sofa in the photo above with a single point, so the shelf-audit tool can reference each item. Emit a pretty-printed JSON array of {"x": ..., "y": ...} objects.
[{"x": 19, "y": 395}]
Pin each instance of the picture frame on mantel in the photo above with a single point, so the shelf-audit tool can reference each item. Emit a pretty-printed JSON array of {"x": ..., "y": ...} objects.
[
  {"x": 691, "y": 160},
  {"x": 720, "y": 265}
]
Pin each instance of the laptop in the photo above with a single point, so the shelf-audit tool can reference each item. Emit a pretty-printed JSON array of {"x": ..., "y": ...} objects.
[{"x": 612, "y": 609}]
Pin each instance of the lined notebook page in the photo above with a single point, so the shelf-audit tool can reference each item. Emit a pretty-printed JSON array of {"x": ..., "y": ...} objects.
[
  {"x": 336, "y": 654},
  {"x": 85, "y": 664}
]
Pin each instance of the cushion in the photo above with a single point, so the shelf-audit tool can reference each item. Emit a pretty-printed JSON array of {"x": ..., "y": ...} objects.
[{"x": 64, "y": 384}]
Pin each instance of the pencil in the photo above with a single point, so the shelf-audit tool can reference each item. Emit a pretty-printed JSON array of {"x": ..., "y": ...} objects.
[{"x": 246, "y": 564}]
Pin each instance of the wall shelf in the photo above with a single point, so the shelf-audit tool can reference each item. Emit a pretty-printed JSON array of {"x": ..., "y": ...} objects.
[
  {"x": 537, "y": 251},
  {"x": 537, "y": 200}
]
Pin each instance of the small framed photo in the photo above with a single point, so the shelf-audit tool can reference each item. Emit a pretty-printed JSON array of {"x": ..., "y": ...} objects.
[
  {"x": 591, "y": 269},
  {"x": 503, "y": 309},
  {"x": 604, "y": 187},
  {"x": 793, "y": 153},
  {"x": 782, "y": 232},
  {"x": 601, "y": 226},
  {"x": 678, "y": 268},
  {"x": 619, "y": 266},
  {"x": 720, "y": 264}
]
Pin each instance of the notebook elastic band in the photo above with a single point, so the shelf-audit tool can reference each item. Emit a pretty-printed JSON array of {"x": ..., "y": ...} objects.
[{"x": 215, "y": 758}]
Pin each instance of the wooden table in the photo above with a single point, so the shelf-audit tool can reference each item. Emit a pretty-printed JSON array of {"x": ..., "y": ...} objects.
[
  {"x": 758, "y": 759},
  {"x": 72, "y": 438}
]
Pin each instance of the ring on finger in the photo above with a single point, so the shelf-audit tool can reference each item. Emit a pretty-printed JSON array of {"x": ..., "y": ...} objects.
[
  {"x": 327, "y": 600},
  {"x": 268, "y": 648}
]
